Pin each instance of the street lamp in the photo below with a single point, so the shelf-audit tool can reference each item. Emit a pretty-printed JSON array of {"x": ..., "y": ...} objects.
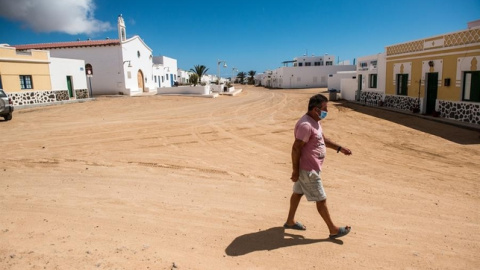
[
  {"x": 218, "y": 68},
  {"x": 233, "y": 72}
]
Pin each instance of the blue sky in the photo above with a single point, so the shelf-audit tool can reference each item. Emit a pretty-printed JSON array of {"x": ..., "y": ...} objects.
[{"x": 249, "y": 35}]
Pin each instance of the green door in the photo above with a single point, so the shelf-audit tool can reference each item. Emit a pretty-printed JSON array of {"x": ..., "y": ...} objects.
[
  {"x": 432, "y": 88},
  {"x": 69, "y": 85}
]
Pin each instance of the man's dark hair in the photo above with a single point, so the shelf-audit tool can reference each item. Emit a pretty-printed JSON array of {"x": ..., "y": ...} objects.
[{"x": 316, "y": 101}]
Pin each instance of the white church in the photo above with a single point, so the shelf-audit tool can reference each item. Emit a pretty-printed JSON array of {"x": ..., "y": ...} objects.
[{"x": 116, "y": 66}]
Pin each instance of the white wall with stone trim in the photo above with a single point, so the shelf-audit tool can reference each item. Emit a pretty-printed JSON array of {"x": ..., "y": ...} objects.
[
  {"x": 372, "y": 64},
  {"x": 60, "y": 68}
]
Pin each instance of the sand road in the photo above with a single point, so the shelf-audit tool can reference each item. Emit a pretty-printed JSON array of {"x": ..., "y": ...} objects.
[{"x": 155, "y": 182}]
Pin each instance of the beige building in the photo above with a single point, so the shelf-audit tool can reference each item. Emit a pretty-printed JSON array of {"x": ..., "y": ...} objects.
[
  {"x": 438, "y": 75},
  {"x": 28, "y": 70}
]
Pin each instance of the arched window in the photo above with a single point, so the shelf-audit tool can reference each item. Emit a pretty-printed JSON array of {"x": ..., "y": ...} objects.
[{"x": 88, "y": 70}]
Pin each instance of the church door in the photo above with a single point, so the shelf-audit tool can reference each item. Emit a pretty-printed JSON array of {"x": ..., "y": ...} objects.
[{"x": 141, "y": 86}]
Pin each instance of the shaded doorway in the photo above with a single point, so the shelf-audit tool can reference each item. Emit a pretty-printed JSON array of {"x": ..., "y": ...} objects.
[
  {"x": 70, "y": 86},
  {"x": 432, "y": 89}
]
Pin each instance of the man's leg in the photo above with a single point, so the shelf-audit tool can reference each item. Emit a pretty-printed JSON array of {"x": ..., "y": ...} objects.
[
  {"x": 294, "y": 201},
  {"x": 323, "y": 211}
]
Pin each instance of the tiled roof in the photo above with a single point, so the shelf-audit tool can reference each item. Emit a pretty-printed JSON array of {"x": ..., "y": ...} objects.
[{"x": 72, "y": 44}]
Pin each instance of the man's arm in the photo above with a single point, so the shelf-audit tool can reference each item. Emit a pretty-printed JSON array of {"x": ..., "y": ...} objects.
[
  {"x": 336, "y": 146},
  {"x": 296, "y": 151}
]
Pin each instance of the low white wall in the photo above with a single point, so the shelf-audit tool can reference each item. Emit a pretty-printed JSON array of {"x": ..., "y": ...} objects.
[
  {"x": 348, "y": 87},
  {"x": 217, "y": 88},
  {"x": 185, "y": 90},
  {"x": 334, "y": 80}
]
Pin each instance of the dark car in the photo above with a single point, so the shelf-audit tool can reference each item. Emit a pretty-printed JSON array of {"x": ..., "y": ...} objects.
[{"x": 6, "y": 106}]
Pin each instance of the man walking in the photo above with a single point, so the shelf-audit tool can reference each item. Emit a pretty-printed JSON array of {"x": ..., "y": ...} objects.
[{"x": 308, "y": 154}]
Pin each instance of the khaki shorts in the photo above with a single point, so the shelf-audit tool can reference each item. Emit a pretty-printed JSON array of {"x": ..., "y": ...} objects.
[{"x": 310, "y": 184}]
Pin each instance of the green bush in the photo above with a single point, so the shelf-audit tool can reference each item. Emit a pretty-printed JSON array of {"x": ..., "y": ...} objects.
[{"x": 193, "y": 79}]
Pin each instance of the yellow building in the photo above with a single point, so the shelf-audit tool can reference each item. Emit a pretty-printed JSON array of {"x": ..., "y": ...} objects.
[
  {"x": 436, "y": 76},
  {"x": 27, "y": 70}
]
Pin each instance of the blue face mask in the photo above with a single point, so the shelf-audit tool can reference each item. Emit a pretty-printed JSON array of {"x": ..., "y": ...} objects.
[{"x": 322, "y": 114}]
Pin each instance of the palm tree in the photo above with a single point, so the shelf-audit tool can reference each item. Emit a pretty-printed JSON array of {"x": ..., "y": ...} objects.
[
  {"x": 251, "y": 74},
  {"x": 241, "y": 75},
  {"x": 200, "y": 70}
]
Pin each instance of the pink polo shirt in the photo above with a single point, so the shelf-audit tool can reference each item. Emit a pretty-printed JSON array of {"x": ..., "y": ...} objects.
[{"x": 314, "y": 150}]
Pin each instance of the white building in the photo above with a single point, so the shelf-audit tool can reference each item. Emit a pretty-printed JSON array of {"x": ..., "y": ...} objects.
[
  {"x": 67, "y": 74},
  {"x": 183, "y": 77},
  {"x": 113, "y": 66},
  {"x": 306, "y": 72},
  {"x": 164, "y": 71},
  {"x": 307, "y": 61},
  {"x": 258, "y": 79},
  {"x": 371, "y": 72}
]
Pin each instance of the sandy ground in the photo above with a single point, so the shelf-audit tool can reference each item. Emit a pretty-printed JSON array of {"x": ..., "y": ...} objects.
[{"x": 170, "y": 182}]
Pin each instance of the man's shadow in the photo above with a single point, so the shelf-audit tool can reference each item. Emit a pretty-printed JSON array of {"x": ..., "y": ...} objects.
[{"x": 270, "y": 239}]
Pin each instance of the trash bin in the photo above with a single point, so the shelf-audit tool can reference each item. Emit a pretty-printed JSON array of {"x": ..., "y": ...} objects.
[{"x": 332, "y": 94}]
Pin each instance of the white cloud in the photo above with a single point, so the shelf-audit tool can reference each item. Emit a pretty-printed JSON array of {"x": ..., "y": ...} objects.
[{"x": 66, "y": 16}]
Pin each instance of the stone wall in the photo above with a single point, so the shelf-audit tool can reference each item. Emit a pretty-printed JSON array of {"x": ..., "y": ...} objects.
[
  {"x": 461, "y": 111},
  {"x": 31, "y": 98},
  {"x": 81, "y": 93},
  {"x": 61, "y": 95},
  {"x": 400, "y": 102},
  {"x": 44, "y": 97},
  {"x": 371, "y": 98}
]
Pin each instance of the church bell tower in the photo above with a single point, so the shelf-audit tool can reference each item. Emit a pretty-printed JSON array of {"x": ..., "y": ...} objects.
[{"x": 122, "y": 35}]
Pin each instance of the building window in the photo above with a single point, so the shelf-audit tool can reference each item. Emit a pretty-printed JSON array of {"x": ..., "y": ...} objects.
[
  {"x": 174, "y": 76},
  {"x": 307, "y": 64},
  {"x": 329, "y": 63},
  {"x": 402, "y": 81},
  {"x": 316, "y": 64},
  {"x": 372, "y": 81},
  {"x": 162, "y": 78},
  {"x": 26, "y": 82},
  {"x": 300, "y": 64},
  {"x": 88, "y": 69},
  {"x": 471, "y": 86},
  {"x": 374, "y": 63},
  {"x": 166, "y": 76}
]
